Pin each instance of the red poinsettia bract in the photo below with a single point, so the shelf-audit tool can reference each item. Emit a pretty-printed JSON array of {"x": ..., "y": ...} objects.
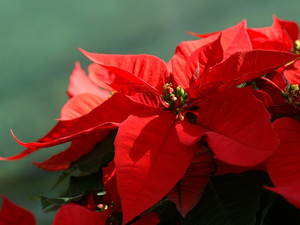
[
  {"x": 12, "y": 214},
  {"x": 71, "y": 214},
  {"x": 283, "y": 165},
  {"x": 280, "y": 36}
]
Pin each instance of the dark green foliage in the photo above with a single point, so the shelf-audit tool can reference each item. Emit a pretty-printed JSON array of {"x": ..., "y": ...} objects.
[
  {"x": 99, "y": 156},
  {"x": 229, "y": 199}
]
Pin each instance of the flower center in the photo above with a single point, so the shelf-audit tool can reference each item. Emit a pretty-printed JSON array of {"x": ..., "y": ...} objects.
[
  {"x": 174, "y": 99},
  {"x": 293, "y": 96}
]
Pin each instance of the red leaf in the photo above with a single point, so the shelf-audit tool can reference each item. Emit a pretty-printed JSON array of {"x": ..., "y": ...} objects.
[
  {"x": 100, "y": 76},
  {"x": 149, "y": 98},
  {"x": 290, "y": 28},
  {"x": 80, "y": 105},
  {"x": 80, "y": 83},
  {"x": 202, "y": 35},
  {"x": 280, "y": 36},
  {"x": 73, "y": 214},
  {"x": 277, "y": 78},
  {"x": 188, "y": 191},
  {"x": 240, "y": 132},
  {"x": 178, "y": 61},
  {"x": 289, "y": 192},
  {"x": 80, "y": 130},
  {"x": 147, "y": 154},
  {"x": 78, "y": 148},
  {"x": 283, "y": 165},
  {"x": 203, "y": 60},
  {"x": 140, "y": 69},
  {"x": 232, "y": 40},
  {"x": 199, "y": 94},
  {"x": 105, "y": 117},
  {"x": 264, "y": 97},
  {"x": 241, "y": 67},
  {"x": 150, "y": 218},
  {"x": 12, "y": 214},
  {"x": 129, "y": 88},
  {"x": 60, "y": 128},
  {"x": 235, "y": 39},
  {"x": 292, "y": 73},
  {"x": 269, "y": 86}
]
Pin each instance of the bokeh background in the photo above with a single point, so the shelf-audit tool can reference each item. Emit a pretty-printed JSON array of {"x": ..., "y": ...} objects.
[{"x": 38, "y": 49}]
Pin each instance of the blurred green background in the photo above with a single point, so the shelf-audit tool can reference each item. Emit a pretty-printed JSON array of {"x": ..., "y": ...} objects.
[{"x": 38, "y": 49}]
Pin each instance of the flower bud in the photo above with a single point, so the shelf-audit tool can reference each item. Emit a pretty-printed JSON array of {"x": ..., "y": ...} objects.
[
  {"x": 297, "y": 46},
  {"x": 178, "y": 91},
  {"x": 294, "y": 87},
  {"x": 180, "y": 116},
  {"x": 285, "y": 95}
]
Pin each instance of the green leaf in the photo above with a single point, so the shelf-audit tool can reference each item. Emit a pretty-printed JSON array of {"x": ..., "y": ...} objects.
[
  {"x": 79, "y": 185},
  {"x": 46, "y": 202},
  {"x": 63, "y": 176},
  {"x": 279, "y": 213},
  {"x": 102, "y": 153},
  {"x": 167, "y": 212},
  {"x": 282, "y": 212},
  {"x": 229, "y": 199},
  {"x": 267, "y": 198}
]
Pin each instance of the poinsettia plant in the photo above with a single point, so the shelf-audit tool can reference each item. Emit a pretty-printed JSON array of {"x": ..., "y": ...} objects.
[{"x": 211, "y": 137}]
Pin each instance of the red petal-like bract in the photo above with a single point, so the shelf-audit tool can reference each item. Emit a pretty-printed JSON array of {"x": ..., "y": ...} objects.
[
  {"x": 59, "y": 128},
  {"x": 244, "y": 66},
  {"x": 280, "y": 36},
  {"x": 264, "y": 97},
  {"x": 203, "y": 35},
  {"x": 203, "y": 60},
  {"x": 150, "y": 218},
  {"x": 242, "y": 133},
  {"x": 283, "y": 165},
  {"x": 232, "y": 40},
  {"x": 80, "y": 83},
  {"x": 149, "y": 98},
  {"x": 73, "y": 214},
  {"x": 182, "y": 54},
  {"x": 292, "y": 73},
  {"x": 270, "y": 85},
  {"x": 236, "y": 127},
  {"x": 103, "y": 118},
  {"x": 149, "y": 160},
  {"x": 100, "y": 76},
  {"x": 12, "y": 214},
  {"x": 289, "y": 192},
  {"x": 188, "y": 191},
  {"x": 290, "y": 28},
  {"x": 78, "y": 148},
  {"x": 80, "y": 105},
  {"x": 146, "y": 70}
]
